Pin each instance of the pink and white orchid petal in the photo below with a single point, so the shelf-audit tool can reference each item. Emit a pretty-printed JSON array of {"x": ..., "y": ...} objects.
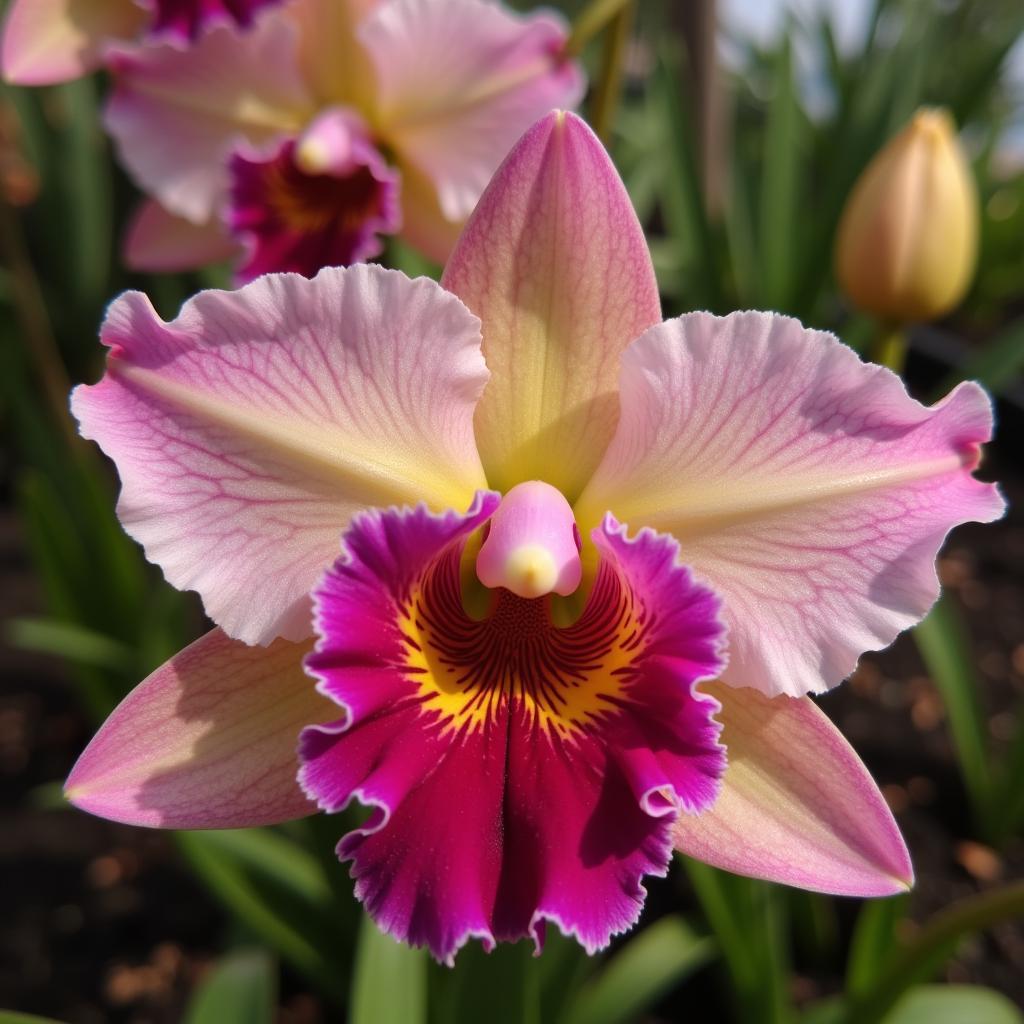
[
  {"x": 805, "y": 486},
  {"x": 458, "y": 82},
  {"x": 250, "y": 429},
  {"x": 175, "y": 114},
  {"x": 158, "y": 242},
  {"x": 796, "y": 806},
  {"x": 48, "y": 41},
  {"x": 208, "y": 740},
  {"x": 555, "y": 264}
]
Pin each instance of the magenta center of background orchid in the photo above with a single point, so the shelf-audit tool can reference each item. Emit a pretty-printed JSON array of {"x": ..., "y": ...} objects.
[
  {"x": 319, "y": 200},
  {"x": 187, "y": 18}
]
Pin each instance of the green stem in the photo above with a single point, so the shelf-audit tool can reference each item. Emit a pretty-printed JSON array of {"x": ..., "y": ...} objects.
[
  {"x": 932, "y": 945},
  {"x": 591, "y": 20},
  {"x": 609, "y": 83},
  {"x": 890, "y": 347}
]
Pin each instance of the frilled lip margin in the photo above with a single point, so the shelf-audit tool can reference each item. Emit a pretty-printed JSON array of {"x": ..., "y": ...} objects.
[{"x": 518, "y": 772}]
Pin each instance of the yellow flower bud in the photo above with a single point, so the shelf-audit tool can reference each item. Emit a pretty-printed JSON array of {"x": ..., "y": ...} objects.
[{"x": 908, "y": 238}]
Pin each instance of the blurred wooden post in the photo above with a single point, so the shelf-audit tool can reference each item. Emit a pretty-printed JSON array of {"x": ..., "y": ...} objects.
[{"x": 697, "y": 22}]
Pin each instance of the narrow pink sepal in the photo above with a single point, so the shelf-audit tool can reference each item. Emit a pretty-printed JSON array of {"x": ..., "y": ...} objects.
[
  {"x": 157, "y": 241},
  {"x": 796, "y": 803},
  {"x": 555, "y": 264},
  {"x": 50, "y": 41},
  {"x": 208, "y": 740}
]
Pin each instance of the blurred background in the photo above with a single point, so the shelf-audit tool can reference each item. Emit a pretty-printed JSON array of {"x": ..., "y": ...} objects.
[{"x": 740, "y": 129}]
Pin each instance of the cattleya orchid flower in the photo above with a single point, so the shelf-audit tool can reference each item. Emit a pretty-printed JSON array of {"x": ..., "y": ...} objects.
[
  {"x": 592, "y": 565},
  {"x": 267, "y": 145},
  {"x": 49, "y": 41}
]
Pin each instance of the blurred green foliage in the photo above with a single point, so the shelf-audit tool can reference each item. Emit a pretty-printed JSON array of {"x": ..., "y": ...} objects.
[{"x": 763, "y": 239}]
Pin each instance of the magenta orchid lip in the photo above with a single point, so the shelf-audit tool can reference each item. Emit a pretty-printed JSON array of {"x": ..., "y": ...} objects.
[
  {"x": 740, "y": 505},
  {"x": 536, "y": 769}
]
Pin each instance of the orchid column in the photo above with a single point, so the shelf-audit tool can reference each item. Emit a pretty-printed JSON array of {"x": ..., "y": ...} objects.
[{"x": 673, "y": 533}]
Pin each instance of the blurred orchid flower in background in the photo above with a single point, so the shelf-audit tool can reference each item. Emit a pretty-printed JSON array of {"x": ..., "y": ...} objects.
[
  {"x": 296, "y": 143},
  {"x": 49, "y": 41},
  {"x": 523, "y": 694}
]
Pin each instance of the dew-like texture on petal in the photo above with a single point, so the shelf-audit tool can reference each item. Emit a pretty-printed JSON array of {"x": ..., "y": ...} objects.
[
  {"x": 458, "y": 82},
  {"x": 805, "y": 486},
  {"x": 555, "y": 264},
  {"x": 207, "y": 741},
  {"x": 185, "y": 20},
  {"x": 517, "y": 773},
  {"x": 796, "y": 806},
  {"x": 158, "y": 242},
  {"x": 294, "y": 221},
  {"x": 249, "y": 430},
  {"x": 176, "y": 115},
  {"x": 48, "y": 41}
]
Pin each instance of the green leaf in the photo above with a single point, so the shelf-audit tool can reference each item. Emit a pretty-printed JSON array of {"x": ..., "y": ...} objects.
[
  {"x": 648, "y": 966},
  {"x": 466, "y": 994},
  {"x": 682, "y": 198},
  {"x": 68, "y": 640},
  {"x": 815, "y": 925},
  {"x": 47, "y": 796},
  {"x": 746, "y": 918},
  {"x": 14, "y": 1017},
  {"x": 739, "y": 231},
  {"x": 826, "y": 1011},
  {"x": 241, "y": 989},
  {"x": 954, "y": 1004},
  {"x": 779, "y": 222},
  {"x": 389, "y": 984},
  {"x": 946, "y": 650},
  {"x": 86, "y": 186},
  {"x": 285, "y": 861},
  {"x": 565, "y": 966},
  {"x": 1009, "y": 793},
  {"x": 872, "y": 942},
  {"x": 997, "y": 365},
  {"x": 920, "y": 958},
  {"x": 279, "y": 891},
  {"x": 400, "y": 256},
  {"x": 50, "y": 533}
]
